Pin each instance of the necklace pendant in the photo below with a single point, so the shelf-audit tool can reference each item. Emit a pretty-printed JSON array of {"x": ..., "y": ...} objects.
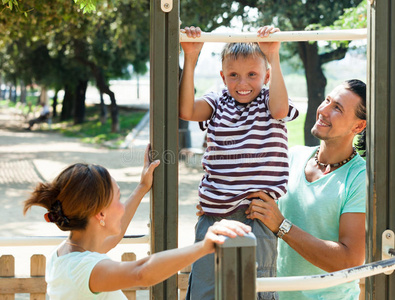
[{"x": 327, "y": 169}]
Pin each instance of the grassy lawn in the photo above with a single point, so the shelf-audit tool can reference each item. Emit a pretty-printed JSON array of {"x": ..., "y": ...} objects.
[
  {"x": 93, "y": 132},
  {"x": 295, "y": 131}
]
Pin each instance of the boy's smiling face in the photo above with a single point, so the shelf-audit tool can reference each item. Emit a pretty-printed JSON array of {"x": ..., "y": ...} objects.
[{"x": 244, "y": 77}]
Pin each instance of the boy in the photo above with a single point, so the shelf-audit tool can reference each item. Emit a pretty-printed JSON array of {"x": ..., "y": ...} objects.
[{"x": 246, "y": 145}]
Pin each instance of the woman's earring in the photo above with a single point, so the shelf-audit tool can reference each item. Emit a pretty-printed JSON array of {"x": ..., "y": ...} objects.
[{"x": 102, "y": 223}]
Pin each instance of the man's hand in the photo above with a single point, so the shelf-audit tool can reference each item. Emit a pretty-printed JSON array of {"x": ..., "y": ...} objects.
[{"x": 265, "y": 209}]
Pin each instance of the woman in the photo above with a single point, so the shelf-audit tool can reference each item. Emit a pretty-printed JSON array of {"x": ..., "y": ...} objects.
[{"x": 85, "y": 200}]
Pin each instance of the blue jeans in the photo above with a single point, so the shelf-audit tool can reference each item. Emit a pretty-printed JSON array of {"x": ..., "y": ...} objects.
[{"x": 202, "y": 278}]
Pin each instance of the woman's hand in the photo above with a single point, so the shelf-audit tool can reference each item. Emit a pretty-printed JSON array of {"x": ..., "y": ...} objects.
[
  {"x": 215, "y": 233},
  {"x": 148, "y": 170}
]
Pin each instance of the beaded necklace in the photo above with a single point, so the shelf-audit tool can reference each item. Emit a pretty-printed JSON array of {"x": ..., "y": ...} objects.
[{"x": 329, "y": 166}]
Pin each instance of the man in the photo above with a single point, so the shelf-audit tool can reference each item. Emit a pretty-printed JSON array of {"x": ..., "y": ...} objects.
[
  {"x": 321, "y": 220},
  {"x": 44, "y": 115}
]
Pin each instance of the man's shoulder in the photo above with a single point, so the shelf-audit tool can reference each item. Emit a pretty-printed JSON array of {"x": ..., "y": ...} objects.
[{"x": 357, "y": 166}]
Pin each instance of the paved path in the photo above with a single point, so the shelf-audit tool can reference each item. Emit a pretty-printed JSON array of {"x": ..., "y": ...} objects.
[{"x": 27, "y": 157}]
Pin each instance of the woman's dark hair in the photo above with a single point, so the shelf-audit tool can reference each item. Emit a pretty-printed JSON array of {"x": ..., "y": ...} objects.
[
  {"x": 79, "y": 192},
  {"x": 358, "y": 87}
]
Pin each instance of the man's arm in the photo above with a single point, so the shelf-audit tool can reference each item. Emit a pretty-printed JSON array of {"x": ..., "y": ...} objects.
[{"x": 330, "y": 256}]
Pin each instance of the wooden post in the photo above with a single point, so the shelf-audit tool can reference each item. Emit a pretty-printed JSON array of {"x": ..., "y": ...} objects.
[
  {"x": 235, "y": 269},
  {"x": 381, "y": 140},
  {"x": 37, "y": 268},
  {"x": 131, "y": 295},
  {"x": 164, "y": 49},
  {"x": 7, "y": 269},
  {"x": 183, "y": 277},
  {"x": 362, "y": 288}
]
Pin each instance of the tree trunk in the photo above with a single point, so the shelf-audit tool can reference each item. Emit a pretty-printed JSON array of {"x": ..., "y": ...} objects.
[
  {"x": 43, "y": 95},
  {"x": 316, "y": 83},
  {"x": 10, "y": 93},
  {"x": 105, "y": 89},
  {"x": 138, "y": 86},
  {"x": 55, "y": 104},
  {"x": 68, "y": 103},
  {"x": 22, "y": 98},
  {"x": 114, "y": 112},
  {"x": 1, "y": 88},
  {"x": 79, "y": 111},
  {"x": 103, "y": 110}
]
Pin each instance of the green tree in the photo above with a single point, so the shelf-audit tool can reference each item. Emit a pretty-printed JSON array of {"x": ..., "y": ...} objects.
[
  {"x": 302, "y": 15},
  {"x": 99, "y": 45}
]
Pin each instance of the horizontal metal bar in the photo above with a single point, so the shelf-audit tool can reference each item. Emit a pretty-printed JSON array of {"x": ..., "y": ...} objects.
[
  {"x": 56, "y": 240},
  {"x": 301, "y": 283},
  {"x": 283, "y": 36}
]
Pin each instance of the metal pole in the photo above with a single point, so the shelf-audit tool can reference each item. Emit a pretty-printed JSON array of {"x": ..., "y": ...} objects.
[
  {"x": 164, "y": 49},
  {"x": 285, "y": 36},
  {"x": 381, "y": 140},
  {"x": 314, "y": 282},
  {"x": 235, "y": 268}
]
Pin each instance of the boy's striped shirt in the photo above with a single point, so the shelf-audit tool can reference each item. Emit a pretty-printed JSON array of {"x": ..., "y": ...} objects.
[{"x": 246, "y": 152}]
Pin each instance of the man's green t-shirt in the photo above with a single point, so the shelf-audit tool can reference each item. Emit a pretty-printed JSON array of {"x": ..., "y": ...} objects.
[{"x": 316, "y": 208}]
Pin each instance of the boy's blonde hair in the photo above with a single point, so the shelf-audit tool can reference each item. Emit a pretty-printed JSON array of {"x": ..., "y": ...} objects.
[{"x": 236, "y": 50}]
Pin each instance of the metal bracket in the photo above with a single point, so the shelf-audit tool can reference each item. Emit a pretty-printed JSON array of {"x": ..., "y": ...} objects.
[
  {"x": 166, "y": 5},
  {"x": 387, "y": 243}
]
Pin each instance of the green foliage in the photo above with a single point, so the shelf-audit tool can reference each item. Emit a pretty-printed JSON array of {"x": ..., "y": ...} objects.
[
  {"x": 57, "y": 43},
  {"x": 87, "y": 6},
  {"x": 93, "y": 132},
  {"x": 10, "y": 4},
  {"x": 352, "y": 18},
  {"x": 209, "y": 14}
]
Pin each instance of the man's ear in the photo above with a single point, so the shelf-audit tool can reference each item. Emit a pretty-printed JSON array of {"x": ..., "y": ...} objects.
[{"x": 360, "y": 126}]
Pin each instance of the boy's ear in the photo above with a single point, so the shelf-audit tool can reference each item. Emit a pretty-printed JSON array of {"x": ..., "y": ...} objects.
[
  {"x": 223, "y": 77},
  {"x": 267, "y": 77}
]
